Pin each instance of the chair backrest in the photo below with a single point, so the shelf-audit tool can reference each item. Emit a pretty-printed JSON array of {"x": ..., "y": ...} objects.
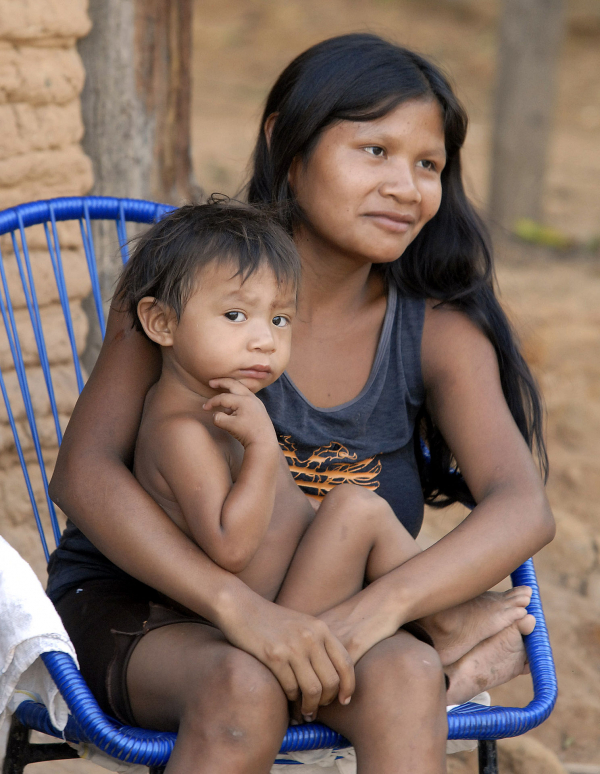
[{"x": 47, "y": 266}]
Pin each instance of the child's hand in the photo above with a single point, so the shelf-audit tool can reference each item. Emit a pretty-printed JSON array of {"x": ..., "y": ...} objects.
[{"x": 244, "y": 415}]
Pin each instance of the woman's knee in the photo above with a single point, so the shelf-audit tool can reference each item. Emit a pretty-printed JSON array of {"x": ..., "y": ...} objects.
[
  {"x": 402, "y": 663},
  {"x": 240, "y": 688},
  {"x": 236, "y": 719}
]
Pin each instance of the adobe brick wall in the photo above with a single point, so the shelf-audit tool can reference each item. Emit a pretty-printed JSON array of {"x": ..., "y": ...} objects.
[{"x": 41, "y": 78}]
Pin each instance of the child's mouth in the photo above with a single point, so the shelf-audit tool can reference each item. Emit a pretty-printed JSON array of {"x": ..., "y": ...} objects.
[{"x": 255, "y": 372}]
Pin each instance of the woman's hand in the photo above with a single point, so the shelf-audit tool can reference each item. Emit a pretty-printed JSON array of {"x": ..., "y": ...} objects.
[
  {"x": 362, "y": 621},
  {"x": 307, "y": 659}
]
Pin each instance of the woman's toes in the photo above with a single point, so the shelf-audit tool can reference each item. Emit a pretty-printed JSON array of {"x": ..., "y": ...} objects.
[
  {"x": 491, "y": 663},
  {"x": 519, "y": 595},
  {"x": 457, "y": 631},
  {"x": 527, "y": 624}
]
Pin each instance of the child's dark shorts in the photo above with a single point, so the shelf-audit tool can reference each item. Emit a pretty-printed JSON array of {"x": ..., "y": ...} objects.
[{"x": 105, "y": 620}]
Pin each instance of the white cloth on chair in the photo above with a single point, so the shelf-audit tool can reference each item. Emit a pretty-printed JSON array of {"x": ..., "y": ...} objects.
[{"x": 29, "y": 626}]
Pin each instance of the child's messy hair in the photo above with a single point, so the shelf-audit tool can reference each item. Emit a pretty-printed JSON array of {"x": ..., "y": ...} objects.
[{"x": 166, "y": 259}]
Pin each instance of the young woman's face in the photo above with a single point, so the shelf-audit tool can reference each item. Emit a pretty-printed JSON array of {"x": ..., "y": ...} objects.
[{"x": 369, "y": 187}]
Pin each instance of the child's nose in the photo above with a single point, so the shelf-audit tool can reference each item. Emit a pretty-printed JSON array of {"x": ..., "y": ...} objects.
[{"x": 263, "y": 339}]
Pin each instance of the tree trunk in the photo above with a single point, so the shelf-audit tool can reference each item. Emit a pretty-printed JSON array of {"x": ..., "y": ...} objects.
[
  {"x": 136, "y": 111},
  {"x": 530, "y": 37}
]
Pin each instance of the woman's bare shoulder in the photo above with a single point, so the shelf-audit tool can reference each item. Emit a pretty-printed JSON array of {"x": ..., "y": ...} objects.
[{"x": 453, "y": 343}]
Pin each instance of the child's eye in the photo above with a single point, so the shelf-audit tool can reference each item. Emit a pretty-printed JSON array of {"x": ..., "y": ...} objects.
[
  {"x": 375, "y": 150},
  {"x": 280, "y": 321},
  {"x": 236, "y": 316}
]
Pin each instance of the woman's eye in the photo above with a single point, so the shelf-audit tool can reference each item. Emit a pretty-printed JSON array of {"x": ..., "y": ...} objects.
[
  {"x": 235, "y": 316},
  {"x": 375, "y": 150},
  {"x": 280, "y": 321},
  {"x": 428, "y": 165}
]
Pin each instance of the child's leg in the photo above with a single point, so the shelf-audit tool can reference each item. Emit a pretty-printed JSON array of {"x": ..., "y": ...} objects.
[
  {"x": 292, "y": 513},
  {"x": 354, "y": 537}
]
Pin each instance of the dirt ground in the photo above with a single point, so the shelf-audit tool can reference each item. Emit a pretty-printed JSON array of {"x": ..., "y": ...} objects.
[{"x": 553, "y": 298}]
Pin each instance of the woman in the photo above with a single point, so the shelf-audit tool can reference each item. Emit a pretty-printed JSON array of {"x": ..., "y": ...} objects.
[{"x": 398, "y": 330}]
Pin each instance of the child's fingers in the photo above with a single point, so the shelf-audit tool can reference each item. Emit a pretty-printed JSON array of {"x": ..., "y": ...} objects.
[
  {"x": 223, "y": 400},
  {"x": 226, "y": 383},
  {"x": 223, "y": 420}
]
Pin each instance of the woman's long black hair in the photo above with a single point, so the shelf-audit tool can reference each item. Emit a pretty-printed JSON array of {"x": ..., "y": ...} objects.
[{"x": 362, "y": 77}]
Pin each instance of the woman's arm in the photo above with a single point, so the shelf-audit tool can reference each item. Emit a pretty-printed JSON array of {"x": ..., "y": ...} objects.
[
  {"x": 94, "y": 487},
  {"x": 512, "y": 520}
]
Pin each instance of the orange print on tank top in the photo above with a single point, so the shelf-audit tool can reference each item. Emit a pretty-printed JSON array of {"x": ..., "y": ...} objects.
[{"x": 328, "y": 466}]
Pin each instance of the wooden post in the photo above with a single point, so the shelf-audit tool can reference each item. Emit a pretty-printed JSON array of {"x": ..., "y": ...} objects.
[
  {"x": 530, "y": 36},
  {"x": 136, "y": 111}
]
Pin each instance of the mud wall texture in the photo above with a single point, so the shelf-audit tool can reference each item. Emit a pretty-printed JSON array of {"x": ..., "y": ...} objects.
[{"x": 41, "y": 79}]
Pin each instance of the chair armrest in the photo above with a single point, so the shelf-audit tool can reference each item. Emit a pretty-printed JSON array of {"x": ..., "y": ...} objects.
[{"x": 467, "y": 722}]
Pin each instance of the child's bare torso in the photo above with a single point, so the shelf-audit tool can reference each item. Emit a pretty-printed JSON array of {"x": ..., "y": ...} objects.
[{"x": 292, "y": 512}]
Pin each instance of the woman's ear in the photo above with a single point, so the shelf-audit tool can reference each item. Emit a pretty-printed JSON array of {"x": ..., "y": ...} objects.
[
  {"x": 268, "y": 128},
  {"x": 158, "y": 321}
]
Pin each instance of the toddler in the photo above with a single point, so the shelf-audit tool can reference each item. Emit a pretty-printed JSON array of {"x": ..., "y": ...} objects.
[{"x": 215, "y": 287}]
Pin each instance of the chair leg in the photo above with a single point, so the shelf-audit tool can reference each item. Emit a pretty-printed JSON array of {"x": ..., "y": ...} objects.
[
  {"x": 20, "y": 752},
  {"x": 488, "y": 756}
]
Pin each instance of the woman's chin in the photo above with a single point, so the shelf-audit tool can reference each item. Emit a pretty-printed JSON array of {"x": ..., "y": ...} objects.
[{"x": 384, "y": 252}]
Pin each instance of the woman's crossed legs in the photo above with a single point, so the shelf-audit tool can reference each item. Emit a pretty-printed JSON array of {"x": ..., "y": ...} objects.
[
  {"x": 231, "y": 712},
  {"x": 356, "y": 536}
]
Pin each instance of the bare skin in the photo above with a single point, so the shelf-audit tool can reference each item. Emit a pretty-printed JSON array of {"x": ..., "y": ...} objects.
[
  {"x": 231, "y": 713},
  {"x": 341, "y": 307},
  {"x": 458, "y": 630},
  {"x": 492, "y": 662},
  {"x": 207, "y": 451}
]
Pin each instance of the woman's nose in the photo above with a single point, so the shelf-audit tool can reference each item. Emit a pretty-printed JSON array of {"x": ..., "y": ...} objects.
[{"x": 401, "y": 184}]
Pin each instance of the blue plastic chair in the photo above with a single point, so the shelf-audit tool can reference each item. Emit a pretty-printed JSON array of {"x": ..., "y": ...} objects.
[{"x": 88, "y": 723}]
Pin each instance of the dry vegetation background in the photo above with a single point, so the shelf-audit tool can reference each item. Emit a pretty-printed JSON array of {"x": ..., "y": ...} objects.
[{"x": 554, "y": 298}]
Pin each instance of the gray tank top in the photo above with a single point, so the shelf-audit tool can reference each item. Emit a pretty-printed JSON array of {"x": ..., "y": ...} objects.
[{"x": 368, "y": 440}]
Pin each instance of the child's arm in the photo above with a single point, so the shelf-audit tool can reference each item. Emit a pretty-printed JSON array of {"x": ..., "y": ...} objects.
[{"x": 228, "y": 520}]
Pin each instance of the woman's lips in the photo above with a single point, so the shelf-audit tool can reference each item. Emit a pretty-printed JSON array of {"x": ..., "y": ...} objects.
[{"x": 399, "y": 224}]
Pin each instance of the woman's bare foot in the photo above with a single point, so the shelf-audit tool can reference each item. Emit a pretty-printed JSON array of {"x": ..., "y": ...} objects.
[
  {"x": 493, "y": 662},
  {"x": 458, "y": 630}
]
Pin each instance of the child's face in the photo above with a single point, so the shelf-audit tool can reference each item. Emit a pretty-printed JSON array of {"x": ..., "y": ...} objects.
[{"x": 236, "y": 329}]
